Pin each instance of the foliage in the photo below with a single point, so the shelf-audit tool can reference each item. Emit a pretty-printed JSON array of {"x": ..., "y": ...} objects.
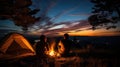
[
  {"x": 19, "y": 12},
  {"x": 106, "y": 13}
]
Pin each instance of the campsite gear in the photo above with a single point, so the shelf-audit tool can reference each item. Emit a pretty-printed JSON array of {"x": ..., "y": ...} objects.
[{"x": 15, "y": 46}]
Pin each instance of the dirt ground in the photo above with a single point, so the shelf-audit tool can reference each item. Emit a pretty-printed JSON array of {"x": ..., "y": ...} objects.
[{"x": 72, "y": 61}]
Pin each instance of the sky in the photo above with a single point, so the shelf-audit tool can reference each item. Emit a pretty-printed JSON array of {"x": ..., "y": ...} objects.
[{"x": 59, "y": 17}]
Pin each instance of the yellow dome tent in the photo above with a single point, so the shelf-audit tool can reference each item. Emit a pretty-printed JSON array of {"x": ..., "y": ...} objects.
[{"x": 15, "y": 46}]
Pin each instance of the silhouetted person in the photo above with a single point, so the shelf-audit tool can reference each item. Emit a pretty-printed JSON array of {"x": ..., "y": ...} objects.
[
  {"x": 41, "y": 47},
  {"x": 65, "y": 45}
]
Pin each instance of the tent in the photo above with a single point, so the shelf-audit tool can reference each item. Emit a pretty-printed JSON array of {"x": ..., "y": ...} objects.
[{"x": 15, "y": 46}]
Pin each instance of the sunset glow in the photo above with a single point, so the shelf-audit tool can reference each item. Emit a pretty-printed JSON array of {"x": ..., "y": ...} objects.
[{"x": 57, "y": 19}]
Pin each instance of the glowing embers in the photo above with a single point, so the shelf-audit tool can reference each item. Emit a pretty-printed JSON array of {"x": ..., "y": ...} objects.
[{"x": 52, "y": 52}]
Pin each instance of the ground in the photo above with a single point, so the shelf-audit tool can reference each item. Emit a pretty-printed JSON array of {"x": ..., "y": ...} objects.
[{"x": 87, "y": 59}]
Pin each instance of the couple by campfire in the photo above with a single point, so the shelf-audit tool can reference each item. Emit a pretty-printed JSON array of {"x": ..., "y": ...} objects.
[{"x": 43, "y": 48}]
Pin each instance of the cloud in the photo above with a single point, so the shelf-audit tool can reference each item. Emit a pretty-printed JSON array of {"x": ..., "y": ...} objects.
[
  {"x": 64, "y": 27},
  {"x": 44, "y": 21},
  {"x": 8, "y": 30},
  {"x": 4, "y": 26},
  {"x": 47, "y": 22},
  {"x": 57, "y": 27},
  {"x": 63, "y": 12},
  {"x": 48, "y": 26},
  {"x": 81, "y": 14},
  {"x": 78, "y": 30}
]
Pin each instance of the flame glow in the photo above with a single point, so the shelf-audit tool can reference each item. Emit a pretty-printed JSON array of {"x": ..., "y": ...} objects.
[
  {"x": 61, "y": 48},
  {"x": 52, "y": 51}
]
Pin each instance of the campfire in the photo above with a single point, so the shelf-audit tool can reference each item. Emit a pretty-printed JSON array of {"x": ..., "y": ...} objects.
[{"x": 52, "y": 52}]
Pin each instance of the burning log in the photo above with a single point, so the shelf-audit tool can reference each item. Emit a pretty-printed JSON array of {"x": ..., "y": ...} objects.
[
  {"x": 59, "y": 52},
  {"x": 52, "y": 52}
]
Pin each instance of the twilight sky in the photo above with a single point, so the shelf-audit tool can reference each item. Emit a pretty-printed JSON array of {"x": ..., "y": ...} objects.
[{"x": 59, "y": 17}]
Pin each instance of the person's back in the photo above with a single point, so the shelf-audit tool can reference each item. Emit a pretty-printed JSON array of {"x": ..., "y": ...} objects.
[
  {"x": 66, "y": 45},
  {"x": 41, "y": 47}
]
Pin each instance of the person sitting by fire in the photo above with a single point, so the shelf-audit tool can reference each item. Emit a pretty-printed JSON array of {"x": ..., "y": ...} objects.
[
  {"x": 64, "y": 45},
  {"x": 41, "y": 47}
]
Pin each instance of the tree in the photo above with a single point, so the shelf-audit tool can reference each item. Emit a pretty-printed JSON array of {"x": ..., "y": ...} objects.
[
  {"x": 19, "y": 12},
  {"x": 106, "y": 13}
]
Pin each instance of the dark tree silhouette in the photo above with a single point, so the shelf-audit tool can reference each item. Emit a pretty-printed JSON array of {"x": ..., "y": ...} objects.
[
  {"x": 19, "y": 12},
  {"x": 105, "y": 13}
]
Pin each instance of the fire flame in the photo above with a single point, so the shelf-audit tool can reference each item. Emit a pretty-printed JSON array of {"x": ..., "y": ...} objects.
[
  {"x": 61, "y": 48},
  {"x": 52, "y": 51}
]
